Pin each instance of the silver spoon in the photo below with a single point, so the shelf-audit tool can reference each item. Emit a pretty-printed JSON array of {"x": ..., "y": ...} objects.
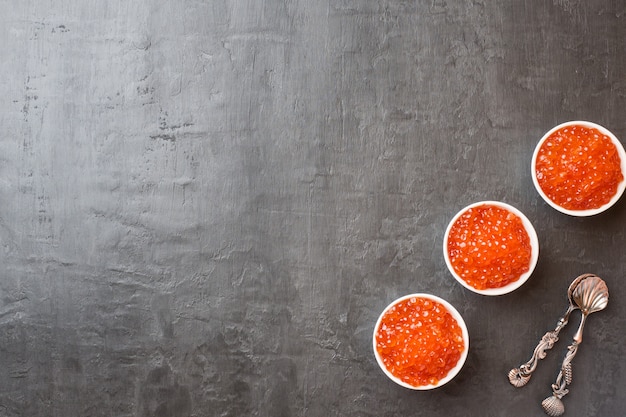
[
  {"x": 590, "y": 295},
  {"x": 519, "y": 377}
]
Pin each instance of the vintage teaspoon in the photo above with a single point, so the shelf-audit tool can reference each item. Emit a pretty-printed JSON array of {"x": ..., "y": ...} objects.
[
  {"x": 519, "y": 377},
  {"x": 590, "y": 295}
]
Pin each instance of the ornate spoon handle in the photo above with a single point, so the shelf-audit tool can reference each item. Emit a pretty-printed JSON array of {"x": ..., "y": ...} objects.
[
  {"x": 519, "y": 377},
  {"x": 553, "y": 406}
]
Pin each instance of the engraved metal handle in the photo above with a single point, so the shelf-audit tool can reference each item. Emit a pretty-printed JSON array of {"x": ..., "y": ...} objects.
[
  {"x": 553, "y": 406},
  {"x": 519, "y": 377}
]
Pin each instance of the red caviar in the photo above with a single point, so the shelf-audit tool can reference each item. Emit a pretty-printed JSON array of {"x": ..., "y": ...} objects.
[
  {"x": 489, "y": 247},
  {"x": 578, "y": 168},
  {"x": 419, "y": 341}
]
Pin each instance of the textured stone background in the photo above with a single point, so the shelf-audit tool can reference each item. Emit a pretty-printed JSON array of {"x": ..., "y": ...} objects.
[{"x": 205, "y": 205}]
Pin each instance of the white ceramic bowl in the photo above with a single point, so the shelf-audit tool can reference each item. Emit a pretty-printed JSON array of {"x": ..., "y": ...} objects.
[
  {"x": 454, "y": 371},
  {"x": 534, "y": 242},
  {"x": 620, "y": 188}
]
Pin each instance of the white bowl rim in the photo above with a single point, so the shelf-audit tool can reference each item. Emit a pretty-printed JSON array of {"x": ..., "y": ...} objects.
[
  {"x": 534, "y": 244},
  {"x": 459, "y": 365},
  {"x": 590, "y": 212}
]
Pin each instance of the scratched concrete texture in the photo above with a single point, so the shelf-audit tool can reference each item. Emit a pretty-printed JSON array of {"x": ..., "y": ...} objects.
[{"x": 205, "y": 205}]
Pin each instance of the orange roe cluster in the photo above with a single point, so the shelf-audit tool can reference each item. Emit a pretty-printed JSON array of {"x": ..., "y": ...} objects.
[
  {"x": 578, "y": 168},
  {"x": 489, "y": 247},
  {"x": 419, "y": 341}
]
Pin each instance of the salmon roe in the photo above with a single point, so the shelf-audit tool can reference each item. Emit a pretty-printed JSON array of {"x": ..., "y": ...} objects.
[
  {"x": 419, "y": 341},
  {"x": 489, "y": 247},
  {"x": 578, "y": 168}
]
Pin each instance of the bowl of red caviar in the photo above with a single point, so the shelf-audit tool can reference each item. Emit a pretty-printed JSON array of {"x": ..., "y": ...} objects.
[
  {"x": 420, "y": 341},
  {"x": 491, "y": 248},
  {"x": 579, "y": 167}
]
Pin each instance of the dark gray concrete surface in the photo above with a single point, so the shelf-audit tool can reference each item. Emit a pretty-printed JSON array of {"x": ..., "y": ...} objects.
[{"x": 205, "y": 205}]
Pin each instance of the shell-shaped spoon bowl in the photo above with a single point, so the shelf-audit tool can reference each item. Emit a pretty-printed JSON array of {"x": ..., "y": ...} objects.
[{"x": 591, "y": 295}]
